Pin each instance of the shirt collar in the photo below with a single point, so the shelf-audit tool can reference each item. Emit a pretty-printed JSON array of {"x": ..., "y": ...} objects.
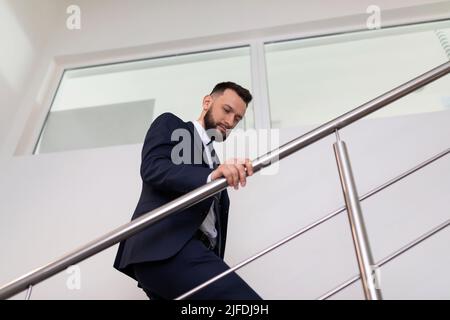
[{"x": 201, "y": 132}]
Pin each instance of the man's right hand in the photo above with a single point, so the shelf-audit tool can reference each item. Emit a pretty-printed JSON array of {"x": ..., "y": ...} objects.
[{"x": 235, "y": 171}]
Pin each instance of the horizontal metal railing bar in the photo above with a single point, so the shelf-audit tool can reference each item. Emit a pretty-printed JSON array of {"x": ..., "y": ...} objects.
[
  {"x": 387, "y": 259},
  {"x": 314, "y": 224},
  {"x": 125, "y": 231}
]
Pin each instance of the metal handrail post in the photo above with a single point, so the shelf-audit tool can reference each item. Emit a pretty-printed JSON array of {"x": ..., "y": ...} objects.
[
  {"x": 28, "y": 295},
  {"x": 359, "y": 234}
]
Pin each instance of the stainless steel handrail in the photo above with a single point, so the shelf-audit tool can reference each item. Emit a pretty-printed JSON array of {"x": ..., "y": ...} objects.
[
  {"x": 314, "y": 224},
  {"x": 125, "y": 231},
  {"x": 389, "y": 258}
]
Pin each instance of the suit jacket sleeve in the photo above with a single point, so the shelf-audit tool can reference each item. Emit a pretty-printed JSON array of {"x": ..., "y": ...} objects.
[{"x": 157, "y": 167}]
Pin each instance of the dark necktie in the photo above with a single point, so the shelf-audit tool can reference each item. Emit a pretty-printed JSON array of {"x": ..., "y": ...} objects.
[
  {"x": 214, "y": 157},
  {"x": 217, "y": 196}
]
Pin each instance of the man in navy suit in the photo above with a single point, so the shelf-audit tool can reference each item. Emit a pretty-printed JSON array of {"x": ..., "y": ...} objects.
[{"x": 186, "y": 249}]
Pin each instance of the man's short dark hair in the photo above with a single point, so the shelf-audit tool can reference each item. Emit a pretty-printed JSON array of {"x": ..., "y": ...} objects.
[{"x": 243, "y": 93}]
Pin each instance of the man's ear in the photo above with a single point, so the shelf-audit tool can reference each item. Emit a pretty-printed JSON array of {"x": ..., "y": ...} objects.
[{"x": 207, "y": 101}]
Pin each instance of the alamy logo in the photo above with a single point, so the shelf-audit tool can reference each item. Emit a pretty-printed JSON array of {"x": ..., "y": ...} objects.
[
  {"x": 74, "y": 280},
  {"x": 73, "y": 22},
  {"x": 241, "y": 145},
  {"x": 376, "y": 276},
  {"x": 374, "y": 20}
]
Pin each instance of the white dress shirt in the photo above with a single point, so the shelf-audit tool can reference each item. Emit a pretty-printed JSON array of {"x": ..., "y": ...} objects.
[{"x": 208, "y": 226}]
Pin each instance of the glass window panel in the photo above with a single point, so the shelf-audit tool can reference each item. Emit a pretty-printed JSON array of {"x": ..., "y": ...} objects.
[
  {"x": 115, "y": 104},
  {"x": 312, "y": 81}
]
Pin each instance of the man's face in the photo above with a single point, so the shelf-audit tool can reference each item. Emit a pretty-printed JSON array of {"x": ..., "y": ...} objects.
[{"x": 224, "y": 113}]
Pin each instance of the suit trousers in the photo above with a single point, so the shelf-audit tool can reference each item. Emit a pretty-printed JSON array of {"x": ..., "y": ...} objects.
[{"x": 190, "y": 267}]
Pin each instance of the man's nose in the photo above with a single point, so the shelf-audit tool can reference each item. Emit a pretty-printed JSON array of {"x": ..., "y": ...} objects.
[{"x": 230, "y": 121}]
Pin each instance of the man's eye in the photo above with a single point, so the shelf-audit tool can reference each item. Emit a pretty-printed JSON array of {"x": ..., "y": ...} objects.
[{"x": 226, "y": 110}]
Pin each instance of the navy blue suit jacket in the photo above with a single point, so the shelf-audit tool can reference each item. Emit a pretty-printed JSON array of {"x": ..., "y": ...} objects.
[{"x": 164, "y": 181}]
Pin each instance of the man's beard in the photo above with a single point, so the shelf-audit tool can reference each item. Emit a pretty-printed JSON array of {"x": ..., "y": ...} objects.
[{"x": 211, "y": 128}]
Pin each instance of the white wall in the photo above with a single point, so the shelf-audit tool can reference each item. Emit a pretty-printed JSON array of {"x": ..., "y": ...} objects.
[
  {"x": 55, "y": 202},
  {"x": 24, "y": 33}
]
